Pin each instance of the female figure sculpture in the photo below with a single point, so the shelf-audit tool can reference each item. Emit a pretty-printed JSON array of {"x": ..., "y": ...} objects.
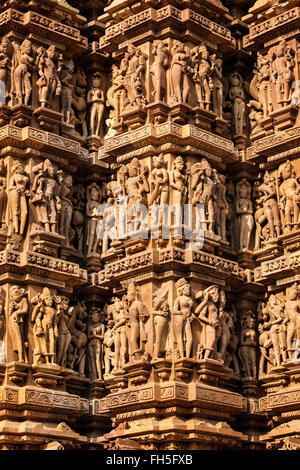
[
  {"x": 95, "y": 99},
  {"x": 179, "y": 73},
  {"x": 48, "y": 83},
  {"x": 182, "y": 319},
  {"x": 158, "y": 70},
  {"x": 17, "y": 309},
  {"x": 244, "y": 213},
  {"x": 17, "y": 202},
  {"x": 208, "y": 316}
]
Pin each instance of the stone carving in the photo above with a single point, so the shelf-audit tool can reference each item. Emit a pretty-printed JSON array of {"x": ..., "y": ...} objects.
[
  {"x": 289, "y": 192},
  {"x": 116, "y": 94},
  {"x": 95, "y": 99},
  {"x": 95, "y": 337},
  {"x": 218, "y": 87},
  {"x": 182, "y": 317},
  {"x": 244, "y": 214},
  {"x": 48, "y": 83},
  {"x": 78, "y": 221},
  {"x": 237, "y": 98},
  {"x": 282, "y": 76},
  {"x": 292, "y": 309},
  {"x": 79, "y": 103},
  {"x": 138, "y": 315},
  {"x": 204, "y": 64},
  {"x": 45, "y": 195},
  {"x": 159, "y": 186},
  {"x": 108, "y": 342},
  {"x": 45, "y": 331},
  {"x": 232, "y": 346},
  {"x": 181, "y": 69},
  {"x": 66, "y": 207},
  {"x": 134, "y": 80},
  {"x": 17, "y": 311},
  {"x": 65, "y": 315},
  {"x": 207, "y": 313},
  {"x": 221, "y": 206},
  {"x": 161, "y": 319},
  {"x": 247, "y": 348},
  {"x": 178, "y": 181},
  {"x": 66, "y": 79},
  {"x": 6, "y": 51},
  {"x": 158, "y": 70},
  {"x": 268, "y": 200},
  {"x": 120, "y": 334},
  {"x": 93, "y": 195},
  {"x": 22, "y": 68},
  {"x": 3, "y": 196},
  {"x": 17, "y": 199},
  {"x": 203, "y": 185},
  {"x": 79, "y": 339},
  {"x": 2, "y": 326}
]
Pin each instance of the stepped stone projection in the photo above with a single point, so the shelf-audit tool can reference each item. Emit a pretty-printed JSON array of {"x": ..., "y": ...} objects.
[{"x": 149, "y": 224}]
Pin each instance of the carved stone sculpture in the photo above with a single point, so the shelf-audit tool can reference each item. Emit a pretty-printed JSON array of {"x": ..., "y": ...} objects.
[
  {"x": 247, "y": 349},
  {"x": 6, "y": 50},
  {"x": 138, "y": 316},
  {"x": 292, "y": 308},
  {"x": 17, "y": 198},
  {"x": 2, "y": 326},
  {"x": 160, "y": 313},
  {"x": 17, "y": 311},
  {"x": 237, "y": 98},
  {"x": 178, "y": 181},
  {"x": 282, "y": 73},
  {"x": 95, "y": 337},
  {"x": 182, "y": 317},
  {"x": 180, "y": 71},
  {"x": 158, "y": 69},
  {"x": 22, "y": 68},
  {"x": 95, "y": 99},
  {"x": 203, "y": 185},
  {"x": 119, "y": 335},
  {"x": 203, "y": 69},
  {"x": 244, "y": 213},
  {"x": 48, "y": 83},
  {"x": 134, "y": 77},
  {"x": 66, "y": 76},
  {"x": 116, "y": 94},
  {"x": 66, "y": 207},
  {"x": 289, "y": 192},
  {"x": 93, "y": 195},
  {"x": 278, "y": 321},
  {"x": 207, "y": 313},
  {"x": 218, "y": 88},
  {"x": 45, "y": 195},
  {"x": 79, "y": 103},
  {"x": 268, "y": 199}
]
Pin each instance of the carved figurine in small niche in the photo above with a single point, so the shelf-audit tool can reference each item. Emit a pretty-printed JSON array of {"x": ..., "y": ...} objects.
[
  {"x": 17, "y": 310},
  {"x": 65, "y": 315},
  {"x": 79, "y": 103},
  {"x": 289, "y": 192},
  {"x": 203, "y": 67},
  {"x": 247, "y": 349},
  {"x": 268, "y": 199},
  {"x": 6, "y": 51},
  {"x": 66, "y": 79},
  {"x": 264, "y": 340},
  {"x": 45, "y": 195},
  {"x": 232, "y": 347},
  {"x": 48, "y": 83},
  {"x": 221, "y": 206},
  {"x": 138, "y": 316},
  {"x": 78, "y": 329},
  {"x": 160, "y": 51},
  {"x": 120, "y": 335},
  {"x": 207, "y": 313},
  {"x": 161, "y": 319},
  {"x": 134, "y": 80},
  {"x": 178, "y": 181},
  {"x": 264, "y": 85},
  {"x": 181, "y": 68},
  {"x": 283, "y": 65},
  {"x": 95, "y": 337},
  {"x": 22, "y": 68},
  {"x": 204, "y": 185},
  {"x": 116, "y": 96},
  {"x": 292, "y": 308},
  {"x": 237, "y": 98},
  {"x": 278, "y": 330},
  {"x": 136, "y": 188},
  {"x": 244, "y": 213},
  {"x": 66, "y": 208},
  {"x": 159, "y": 186},
  {"x": 2, "y": 326},
  {"x": 78, "y": 202},
  {"x": 224, "y": 318},
  {"x": 108, "y": 343},
  {"x": 218, "y": 87},
  {"x": 3, "y": 196},
  {"x": 17, "y": 198},
  {"x": 93, "y": 195},
  {"x": 95, "y": 99},
  {"x": 182, "y": 316}
]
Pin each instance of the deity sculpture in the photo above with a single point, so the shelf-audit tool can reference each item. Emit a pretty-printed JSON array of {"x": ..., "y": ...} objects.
[
  {"x": 224, "y": 318},
  {"x": 203, "y": 69},
  {"x": 207, "y": 313},
  {"x": 17, "y": 310},
  {"x": 265, "y": 340},
  {"x": 134, "y": 77},
  {"x": 237, "y": 98},
  {"x": 17, "y": 198},
  {"x": 108, "y": 342},
  {"x": 181, "y": 68},
  {"x": 218, "y": 88},
  {"x": 247, "y": 349},
  {"x": 158, "y": 70},
  {"x": 116, "y": 95},
  {"x": 45, "y": 195},
  {"x": 178, "y": 181},
  {"x": 232, "y": 346},
  {"x": 160, "y": 313},
  {"x": 264, "y": 85},
  {"x": 78, "y": 219},
  {"x": 22, "y": 68},
  {"x": 289, "y": 191},
  {"x": 292, "y": 307},
  {"x": 45, "y": 330},
  {"x": 278, "y": 321},
  {"x": 182, "y": 317},
  {"x": 282, "y": 73},
  {"x": 95, "y": 337},
  {"x": 64, "y": 317},
  {"x": 66, "y": 207},
  {"x": 244, "y": 214},
  {"x": 48, "y": 83},
  {"x": 3, "y": 195},
  {"x": 159, "y": 186},
  {"x": 66, "y": 76},
  {"x": 78, "y": 327},
  {"x": 204, "y": 186},
  {"x": 119, "y": 335},
  {"x": 5, "y": 69},
  {"x": 221, "y": 206},
  {"x": 108, "y": 225},
  {"x": 138, "y": 315},
  {"x": 79, "y": 103},
  {"x": 93, "y": 195},
  {"x": 268, "y": 199},
  {"x": 95, "y": 99}
]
